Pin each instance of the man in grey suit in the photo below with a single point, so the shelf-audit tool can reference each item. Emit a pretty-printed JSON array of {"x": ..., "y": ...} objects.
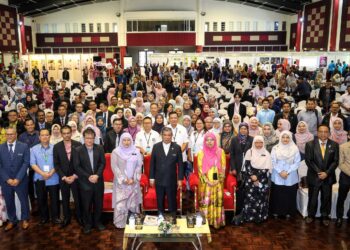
[{"x": 166, "y": 171}]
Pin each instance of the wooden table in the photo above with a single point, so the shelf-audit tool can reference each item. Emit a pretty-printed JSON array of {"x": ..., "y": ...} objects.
[{"x": 179, "y": 234}]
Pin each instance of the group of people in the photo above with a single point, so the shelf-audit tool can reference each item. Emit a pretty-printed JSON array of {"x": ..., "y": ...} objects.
[{"x": 48, "y": 148}]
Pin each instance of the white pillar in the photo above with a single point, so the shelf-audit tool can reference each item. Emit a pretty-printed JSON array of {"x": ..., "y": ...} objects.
[
  {"x": 121, "y": 24},
  {"x": 199, "y": 24}
]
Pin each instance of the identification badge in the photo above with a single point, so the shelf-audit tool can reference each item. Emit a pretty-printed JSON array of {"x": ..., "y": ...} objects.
[
  {"x": 46, "y": 168},
  {"x": 148, "y": 149}
]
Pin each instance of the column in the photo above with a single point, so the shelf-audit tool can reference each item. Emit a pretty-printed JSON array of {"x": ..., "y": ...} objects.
[
  {"x": 299, "y": 27},
  {"x": 199, "y": 27},
  {"x": 122, "y": 32},
  {"x": 334, "y": 26},
  {"x": 23, "y": 35},
  {"x": 122, "y": 54}
]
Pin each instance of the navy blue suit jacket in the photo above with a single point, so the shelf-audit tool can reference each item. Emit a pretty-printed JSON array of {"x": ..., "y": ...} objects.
[{"x": 17, "y": 168}]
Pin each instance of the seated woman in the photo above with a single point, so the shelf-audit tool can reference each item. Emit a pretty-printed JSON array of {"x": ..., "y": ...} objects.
[
  {"x": 285, "y": 162},
  {"x": 303, "y": 136},
  {"x": 56, "y": 136},
  {"x": 76, "y": 136},
  {"x": 270, "y": 137},
  {"x": 338, "y": 134},
  {"x": 254, "y": 128},
  {"x": 282, "y": 125},
  {"x": 211, "y": 170},
  {"x": 256, "y": 182},
  {"x": 126, "y": 163},
  {"x": 132, "y": 128}
]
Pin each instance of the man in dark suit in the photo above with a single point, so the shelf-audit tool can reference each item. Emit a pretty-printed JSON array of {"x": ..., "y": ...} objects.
[
  {"x": 65, "y": 74},
  {"x": 288, "y": 115},
  {"x": 63, "y": 153},
  {"x": 113, "y": 137},
  {"x": 62, "y": 118},
  {"x": 237, "y": 107},
  {"x": 89, "y": 164},
  {"x": 61, "y": 97},
  {"x": 166, "y": 170},
  {"x": 237, "y": 151},
  {"x": 344, "y": 181},
  {"x": 105, "y": 113},
  {"x": 40, "y": 122},
  {"x": 321, "y": 157},
  {"x": 14, "y": 163}
]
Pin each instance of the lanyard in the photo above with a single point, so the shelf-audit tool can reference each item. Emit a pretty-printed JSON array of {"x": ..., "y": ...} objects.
[
  {"x": 147, "y": 140},
  {"x": 175, "y": 134},
  {"x": 45, "y": 155},
  {"x": 196, "y": 138}
]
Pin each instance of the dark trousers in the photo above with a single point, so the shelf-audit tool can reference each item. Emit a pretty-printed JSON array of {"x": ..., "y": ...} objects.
[
  {"x": 239, "y": 200},
  {"x": 342, "y": 194},
  {"x": 326, "y": 200},
  {"x": 9, "y": 195},
  {"x": 92, "y": 204},
  {"x": 43, "y": 193},
  {"x": 31, "y": 190},
  {"x": 65, "y": 191},
  {"x": 170, "y": 192}
]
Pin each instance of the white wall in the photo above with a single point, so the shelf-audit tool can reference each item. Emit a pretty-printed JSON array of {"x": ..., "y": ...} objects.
[{"x": 4, "y": 2}]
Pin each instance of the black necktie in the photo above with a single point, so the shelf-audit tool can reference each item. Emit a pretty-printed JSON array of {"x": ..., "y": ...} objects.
[{"x": 11, "y": 151}]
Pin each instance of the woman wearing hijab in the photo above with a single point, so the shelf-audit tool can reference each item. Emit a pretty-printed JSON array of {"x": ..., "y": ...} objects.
[
  {"x": 132, "y": 128},
  {"x": 282, "y": 125},
  {"x": 196, "y": 139},
  {"x": 236, "y": 120},
  {"x": 76, "y": 136},
  {"x": 158, "y": 123},
  {"x": 126, "y": 163},
  {"x": 217, "y": 126},
  {"x": 186, "y": 122},
  {"x": 226, "y": 136},
  {"x": 254, "y": 128},
  {"x": 257, "y": 164},
  {"x": 120, "y": 113},
  {"x": 178, "y": 111},
  {"x": 100, "y": 122},
  {"x": 211, "y": 171},
  {"x": 111, "y": 92},
  {"x": 186, "y": 108},
  {"x": 139, "y": 106},
  {"x": 56, "y": 136},
  {"x": 239, "y": 146},
  {"x": 205, "y": 111},
  {"x": 285, "y": 162},
  {"x": 338, "y": 134},
  {"x": 139, "y": 119},
  {"x": 270, "y": 137},
  {"x": 303, "y": 136}
]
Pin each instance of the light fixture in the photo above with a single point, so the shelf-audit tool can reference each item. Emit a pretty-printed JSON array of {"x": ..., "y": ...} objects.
[
  {"x": 20, "y": 23},
  {"x": 145, "y": 49},
  {"x": 301, "y": 19},
  {"x": 176, "y": 49},
  {"x": 344, "y": 49},
  {"x": 203, "y": 13}
]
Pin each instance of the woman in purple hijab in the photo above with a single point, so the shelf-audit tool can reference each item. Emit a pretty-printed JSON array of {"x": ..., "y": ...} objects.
[{"x": 126, "y": 163}]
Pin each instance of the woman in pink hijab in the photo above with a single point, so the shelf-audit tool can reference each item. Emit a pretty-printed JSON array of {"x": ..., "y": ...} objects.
[
  {"x": 160, "y": 91},
  {"x": 338, "y": 134},
  {"x": 211, "y": 171},
  {"x": 282, "y": 125},
  {"x": 111, "y": 92}
]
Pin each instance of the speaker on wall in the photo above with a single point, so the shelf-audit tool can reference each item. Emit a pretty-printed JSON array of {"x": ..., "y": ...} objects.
[{"x": 96, "y": 59}]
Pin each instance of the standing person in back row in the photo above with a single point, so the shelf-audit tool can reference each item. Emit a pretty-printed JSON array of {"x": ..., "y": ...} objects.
[
  {"x": 166, "y": 157},
  {"x": 89, "y": 164},
  {"x": 321, "y": 157},
  {"x": 311, "y": 116}
]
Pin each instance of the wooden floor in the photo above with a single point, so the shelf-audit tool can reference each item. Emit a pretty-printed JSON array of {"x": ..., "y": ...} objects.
[{"x": 273, "y": 234}]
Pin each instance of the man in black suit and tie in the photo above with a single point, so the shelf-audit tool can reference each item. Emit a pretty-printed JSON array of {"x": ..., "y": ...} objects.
[
  {"x": 113, "y": 137},
  {"x": 62, "y": 118},
  {"x": 63, "y": 154},
  {"x": 237, "y": 107},
  {"x": 40, "y": 121},
  {"x": 321, "y": 157},
  {"x": 89, "y": 164},
  {"x": 166, "y": 171},
  {"x": 105, "y": 113}
]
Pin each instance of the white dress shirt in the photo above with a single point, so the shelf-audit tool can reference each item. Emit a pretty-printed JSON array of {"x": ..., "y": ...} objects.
[{"x": 166, "y": 148}]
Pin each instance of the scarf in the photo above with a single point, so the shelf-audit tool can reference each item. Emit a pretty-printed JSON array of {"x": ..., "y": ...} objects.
[
  {"x": 259, "y": 158},
  {"x": 243, "y": 138},
  {"x": 303, "y": 138},
  {"x": 253, "y": 132},
  {"x": 272, "y": 138},
  {"x": 340, "y": 136},
  {"x": 286, "y": 152},
  {"x": 132, "y": 130},
  {"x": 236, "y": 125},
  {"x": 226, "y": 137},
  {"x": 211, "y": 156},
  {"x": 158, "y": 126}
]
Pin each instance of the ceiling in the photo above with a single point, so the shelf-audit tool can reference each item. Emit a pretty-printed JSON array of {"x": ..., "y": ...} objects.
[{"x": 42, "y": 7}]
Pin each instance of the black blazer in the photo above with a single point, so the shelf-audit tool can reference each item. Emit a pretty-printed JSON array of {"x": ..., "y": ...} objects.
[
  {"x": 163, "y": 167},
  {"x": 83, "y": 170},
  {"x": 57, "y": 120},
  {"x": 237, "y": 154},
  {"x": 292, "y": 118},
  {"x": 315, "y": 163},
  {"x": 231, "y": 110},
  {"x": 109, "y": 114},
  {"x": 110, "y": 140},
  {"x": 63, "y": 166}
]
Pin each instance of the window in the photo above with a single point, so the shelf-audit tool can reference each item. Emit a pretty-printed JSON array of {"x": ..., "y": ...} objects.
[
  {"x": 38, "y": 28},
  {"x": 275, "y": 26},
  {"x": 106, "y": 27},
  {"x": 247, "y": 26},
  {"x": 115, "y": 27},
  {"x": 91, "y": 27},
  {"x": 67, "y": 26},
  {"x": 75, "y": 28},
  {"x": 206, "y": 27},
  {"x": 83, "y": 28},
  {"x": 239, "y": 26},
  {"x": 284, "y": 25},
  {"x": 46, "y": 28},
  {"x": 231, "y": 26},
  {"x": 215, "y": 26},
  {"x": 223, "y": 24},
  {"x": 255, "y": 26},
  {"x": 268, "y": 26},
  {"x": 99, "y": 30},
  {"x": 54, "y": 28}
]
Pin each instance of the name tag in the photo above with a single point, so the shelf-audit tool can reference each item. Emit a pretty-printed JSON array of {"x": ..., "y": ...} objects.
[
  {"x": 20, "y": 154},
  {"x": 46, "y": 168}
]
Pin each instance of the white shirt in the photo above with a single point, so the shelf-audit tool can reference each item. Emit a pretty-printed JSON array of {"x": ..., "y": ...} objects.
[
  {"x": 13, "y": 147},
  {"x": 345, "y": 100},
  {"x": 166, "y": 148},
  {"x": 146, "y": 141},
  {"x": 196, "y": 142},
  {"x": 180, "y": 136}
]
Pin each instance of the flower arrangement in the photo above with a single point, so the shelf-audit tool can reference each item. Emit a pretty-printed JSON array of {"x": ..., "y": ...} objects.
[{"x": 165, "y": 227}]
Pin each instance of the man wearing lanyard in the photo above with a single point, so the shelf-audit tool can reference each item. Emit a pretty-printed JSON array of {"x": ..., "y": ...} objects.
[
  {"x": 146, "y": 138},
  {"x": 179, "y": 134},
  {"x": 45, "y": 178}
]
